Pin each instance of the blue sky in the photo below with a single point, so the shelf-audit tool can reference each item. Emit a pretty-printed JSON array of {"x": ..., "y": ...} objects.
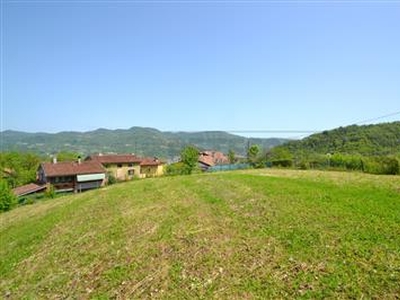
[{"x": 198, "y": 65}]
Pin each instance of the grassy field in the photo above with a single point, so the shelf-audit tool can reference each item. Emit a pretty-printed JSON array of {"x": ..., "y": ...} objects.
[{"x": 264, "y": 234}]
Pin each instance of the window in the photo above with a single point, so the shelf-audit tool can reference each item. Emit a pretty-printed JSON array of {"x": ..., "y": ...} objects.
[
  {"x": 130, "y": 165},
  {"x": 119, "y": 165},
  {"x": 131, "y": 172}
]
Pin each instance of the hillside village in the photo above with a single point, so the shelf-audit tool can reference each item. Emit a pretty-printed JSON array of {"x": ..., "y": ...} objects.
[
  {"x": 370, "y": 149},
  {"x": 98, "y": 170}
]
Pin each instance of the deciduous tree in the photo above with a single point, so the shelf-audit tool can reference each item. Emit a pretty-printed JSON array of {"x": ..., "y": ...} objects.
[{"x": 190, "y": 157}]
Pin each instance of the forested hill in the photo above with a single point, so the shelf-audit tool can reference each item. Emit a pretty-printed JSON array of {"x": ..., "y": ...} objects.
[
  {"x": 139, "y": 140},
  {"x": 367, "y": 140}
]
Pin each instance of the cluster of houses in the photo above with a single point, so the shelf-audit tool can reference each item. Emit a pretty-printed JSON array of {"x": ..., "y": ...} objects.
[{"x": 95, "y": 170}]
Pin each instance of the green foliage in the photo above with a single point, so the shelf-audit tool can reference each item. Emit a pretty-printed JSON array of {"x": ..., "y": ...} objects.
[
  {"x": 29, "y": 199},
  {"x": 7, "y": 198},
  {"x": 372, "y": 149},
  {"x": 67, "y": 156},
  {"x": 345, "y": 162},
  {"x": 369, "y": 140},
  {"x": 231, "y": 156},
  {"x": 255, "y": 158},
  {"x": 50, "y": 192},
  {"x": 252, "y": 155},
  {"x": 189, "y": 158},
  {"x": 19, "y": 168},
  {"x": 174, "y": 169},
  {"x": 381, "y": 165},
  {"x": 280, "y": 157},
  {"x": 111, "y": 178}
]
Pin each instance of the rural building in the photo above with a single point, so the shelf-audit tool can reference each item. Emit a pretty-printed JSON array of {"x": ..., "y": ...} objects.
[
  {"x": 72, "y": 176},
  {"x": 150, "y": 167},
  {"x": 128, "y": 166},
  {"x": 209, "y": 159},
  {"x": 28, "y": 189}
]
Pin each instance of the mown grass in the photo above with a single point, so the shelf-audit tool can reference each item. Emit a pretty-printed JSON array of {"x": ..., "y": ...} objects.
[{"x": 235, "y": 235}]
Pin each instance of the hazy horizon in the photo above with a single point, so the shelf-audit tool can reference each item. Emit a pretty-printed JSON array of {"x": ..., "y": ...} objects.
[{"x": 271, "y": 66}]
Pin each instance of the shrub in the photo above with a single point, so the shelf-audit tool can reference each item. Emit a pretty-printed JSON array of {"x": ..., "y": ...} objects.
[
  {"x": 111, "y": 178},
  {"x": 176, "y": 169},
  {"x": 50, "y": 192},
  {"x": 7, "y": 198},
  {"x": 381, "y": 165},
  {"x": 282, "y": 163},
  {"x": 346, "y": 162}
]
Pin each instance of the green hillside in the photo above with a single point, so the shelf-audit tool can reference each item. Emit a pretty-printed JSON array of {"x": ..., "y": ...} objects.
[
  {"x": 139, "y": 140},
  {"x": 379, "y": 139},
  {"x": 264, "y": 234}
]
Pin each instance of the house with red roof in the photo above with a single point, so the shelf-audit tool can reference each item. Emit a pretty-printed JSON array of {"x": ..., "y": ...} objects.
[
  {"x": 73, "y": 176},
  {"x": 209, "y": 159},
  {"x": 128, "y": 166}
]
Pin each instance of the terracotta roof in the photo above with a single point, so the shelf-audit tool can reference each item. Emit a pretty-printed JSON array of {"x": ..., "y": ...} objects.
[
  {"x": 212, "y": 158},
  {"x": 72, "y": 168},
  {"x": 28, "y": 189},
  {"x": 124, "y": 158},
  {"x": 115, "y": 158},
  {"x": 150, "y": 162},
  {"x": 207, "y": 160}
]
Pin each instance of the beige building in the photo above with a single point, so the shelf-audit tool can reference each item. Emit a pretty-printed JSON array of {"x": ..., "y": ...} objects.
[{"x": 129, "y": 166}]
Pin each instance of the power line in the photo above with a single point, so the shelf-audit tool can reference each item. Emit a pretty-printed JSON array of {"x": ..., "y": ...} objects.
[
  {"x": 379, "y": 118},
  {"x": 306, "y": 132}
]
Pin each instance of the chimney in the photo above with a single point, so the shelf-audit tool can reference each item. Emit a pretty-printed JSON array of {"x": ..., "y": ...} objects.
[
  {"x": 79, "y": 160},
  {"x": 54, "y": 159}
]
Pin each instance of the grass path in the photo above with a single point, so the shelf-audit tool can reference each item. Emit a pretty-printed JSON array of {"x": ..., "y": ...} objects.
[{"x": 235, "y": 235}]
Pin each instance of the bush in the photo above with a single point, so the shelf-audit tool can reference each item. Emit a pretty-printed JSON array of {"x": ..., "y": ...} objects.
[
  {"x": 303, "y": 165},
  {"x": 346, "y": 162},
  {"x": 176, "y": 169},
  {"x": 27, "y": 200},
  {"x": 50, "y": 192},
  {"x": 381, "y": 165},
  {"x": 111, "y": 178},
  {"x": 282, "y": 163},
  {"x": 7, "y": 198}
]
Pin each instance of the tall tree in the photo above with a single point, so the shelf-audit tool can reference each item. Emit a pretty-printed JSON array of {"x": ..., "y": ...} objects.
[
  {"x": 231, "y": 156},
  {"x": 190, "y": 157},
  {"x": 252, "y": 155},
  {"x": 18, "y": 168}
]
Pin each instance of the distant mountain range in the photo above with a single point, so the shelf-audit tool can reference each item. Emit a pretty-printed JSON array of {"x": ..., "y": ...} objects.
[{"x": 138, "y": 140}]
